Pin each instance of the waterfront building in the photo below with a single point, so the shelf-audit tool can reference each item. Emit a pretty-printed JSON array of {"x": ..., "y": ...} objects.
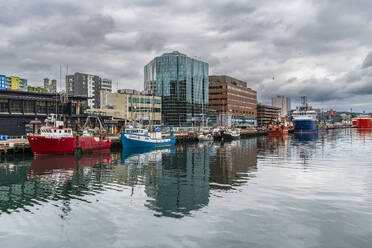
[
  {"x": 12, "y": 83},
  {"x": 235, "y": 104},
  {"x": 18, "y": 108},
  {"x": 131, "y": 107},
  {"x": 266, "y": 114},
  {"x": 81, "y": 84},
  {"x": 182, "y": 82},
  {"x": 51, "y": 87},
  {"x": 284, "y": 103}
]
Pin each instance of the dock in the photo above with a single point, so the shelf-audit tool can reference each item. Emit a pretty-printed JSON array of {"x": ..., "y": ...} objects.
[{"x": 14, "y": 145}]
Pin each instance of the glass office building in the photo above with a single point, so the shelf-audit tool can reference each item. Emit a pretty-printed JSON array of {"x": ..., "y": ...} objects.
[{"x": 182, "y": 82}]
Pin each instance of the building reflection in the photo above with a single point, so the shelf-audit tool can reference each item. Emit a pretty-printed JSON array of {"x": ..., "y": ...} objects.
[
  {"x": 233, "y": 163},
  {"x": 176, "y": 180},
  {"x": 182, "y": 184}
]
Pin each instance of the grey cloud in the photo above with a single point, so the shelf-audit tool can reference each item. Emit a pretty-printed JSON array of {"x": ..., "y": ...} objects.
[
  {"x": 320, "y": 55},
  {"x": 367, "y": 61}
]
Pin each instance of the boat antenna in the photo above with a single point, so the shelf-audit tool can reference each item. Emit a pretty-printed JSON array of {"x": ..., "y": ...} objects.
[{"x": 60, "y": 79}]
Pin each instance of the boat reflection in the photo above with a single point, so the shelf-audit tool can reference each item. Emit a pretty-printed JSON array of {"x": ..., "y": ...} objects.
[
  {"x": 306, "y": 136},
  {"x": 145, "y": 155},
  {"x": 49, "y": 164},
  {"x": 176, "y": 180},
  {"x": 49, "y": 178}
]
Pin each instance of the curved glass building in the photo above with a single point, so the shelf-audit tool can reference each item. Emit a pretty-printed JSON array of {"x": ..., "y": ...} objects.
[{"x": 182, "y": 82}]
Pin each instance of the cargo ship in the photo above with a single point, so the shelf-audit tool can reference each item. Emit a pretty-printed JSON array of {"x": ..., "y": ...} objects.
[
  {"x": 57, "y": 139},
  {"x": 305, "y": 118}
]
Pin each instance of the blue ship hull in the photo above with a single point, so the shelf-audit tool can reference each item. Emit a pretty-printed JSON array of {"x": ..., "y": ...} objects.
[
  {"x": 128, "y": 143},
  {"x": 305, "y": 126}
]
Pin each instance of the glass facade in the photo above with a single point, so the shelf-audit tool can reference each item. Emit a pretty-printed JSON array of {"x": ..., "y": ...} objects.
[{"x": 182, "y": 82}]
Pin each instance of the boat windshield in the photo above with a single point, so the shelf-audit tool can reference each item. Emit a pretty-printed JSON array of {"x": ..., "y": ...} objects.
[{"x": 136, "y": 130}]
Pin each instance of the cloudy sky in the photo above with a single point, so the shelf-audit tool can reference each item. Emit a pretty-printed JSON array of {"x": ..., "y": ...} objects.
[{"x": 319, "y": 48}]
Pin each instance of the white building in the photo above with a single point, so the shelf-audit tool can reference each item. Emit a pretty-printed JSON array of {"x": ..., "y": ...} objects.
[{"x": 282, "y": 102}]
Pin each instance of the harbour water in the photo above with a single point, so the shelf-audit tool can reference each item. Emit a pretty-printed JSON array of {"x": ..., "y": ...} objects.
[{"x": 291, "y": 191}]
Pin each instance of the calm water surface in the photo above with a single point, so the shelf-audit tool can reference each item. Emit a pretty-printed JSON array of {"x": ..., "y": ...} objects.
[{"x": 309, "y": 191}]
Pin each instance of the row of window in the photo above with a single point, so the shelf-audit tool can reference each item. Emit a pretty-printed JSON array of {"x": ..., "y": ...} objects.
[
  {"x": 143, "y": 100},
  {"x": 230, "y": 100},
  {"x": 232, "y": 88},
  {"x": 28, "y": 106},
  {"x": 143, "y": 109}
]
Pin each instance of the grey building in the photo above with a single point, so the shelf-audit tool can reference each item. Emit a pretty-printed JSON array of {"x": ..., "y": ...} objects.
[
  {"x": 81, "y": 84},
  {"x": 51, "y": 86},
  {"x": 182, "y": 82}
]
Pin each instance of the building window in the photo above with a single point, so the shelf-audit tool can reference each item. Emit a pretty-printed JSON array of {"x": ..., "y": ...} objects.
[
  {"x": 28, "y": 107},
  {"x": 41, "y": 107},
  {"x": 16, "y": 106},
  {"x": 4, "y": 106}
]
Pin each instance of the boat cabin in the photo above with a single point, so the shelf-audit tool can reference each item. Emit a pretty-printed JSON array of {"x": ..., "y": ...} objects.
[{"x": 55, "y": 132}]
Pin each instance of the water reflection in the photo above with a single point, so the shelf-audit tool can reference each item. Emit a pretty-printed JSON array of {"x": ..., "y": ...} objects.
[
  {"x": 306, "y": 136},
  {"x": 176, "y": 180},
  {"x": 50, "y": 178},
  {"x": 233, "y": 164}
]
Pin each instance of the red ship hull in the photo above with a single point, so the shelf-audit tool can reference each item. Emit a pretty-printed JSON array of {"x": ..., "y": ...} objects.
[
  {"x": 66, "y": 145},
  {"x": 364, "y": 123},
  {"x": 277, "y": 130}
]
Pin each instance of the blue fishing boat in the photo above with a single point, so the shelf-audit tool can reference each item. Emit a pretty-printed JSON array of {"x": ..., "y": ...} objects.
[
  {"x": 305, "y": 118},
  {"x": 140, "y": 137}
]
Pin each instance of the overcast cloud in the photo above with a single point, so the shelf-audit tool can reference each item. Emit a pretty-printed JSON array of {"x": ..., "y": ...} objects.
[{"x": 319, "y": 48}]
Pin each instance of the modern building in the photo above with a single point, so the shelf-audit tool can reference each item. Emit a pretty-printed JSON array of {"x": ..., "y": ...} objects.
[
  {"x": 81, "y": 84},
  {"x": 13, "y": 83},
  {"x": 106, "y": 85},
  {"x": 284, "y": 103},
  {"x": 266, "y": 115},
  {"x": 182, "y": 82},
  {"x": 18, "y": 108},
  {"x": 234, "y": 102},
  {"x": 132, "y": 107},
  {"x": 51, "y": 87}
]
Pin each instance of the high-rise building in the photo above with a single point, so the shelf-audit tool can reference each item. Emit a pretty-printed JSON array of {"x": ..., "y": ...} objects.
[
  {"x": 81, "y": 84},
  {"x": 182, "y": 82},
  {"x": 53, "y": 86},
  {"x": 284, "y": 103},
  {"x": 235, "y": 104},
  {"x": 46, "y": 83},
  {"x": 106, "y": 85},
  {"x": 50, "y": 87}
]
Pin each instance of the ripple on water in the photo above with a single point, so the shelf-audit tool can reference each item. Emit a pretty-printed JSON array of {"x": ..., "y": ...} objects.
[{"x": 290, "y": 191}]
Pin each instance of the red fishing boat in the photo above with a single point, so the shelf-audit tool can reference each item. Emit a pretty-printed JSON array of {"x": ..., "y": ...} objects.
[
  {"x": 277, "y": 130},
  {"x": 57, "y": 139},
  {"x": 364, "y": 121}
]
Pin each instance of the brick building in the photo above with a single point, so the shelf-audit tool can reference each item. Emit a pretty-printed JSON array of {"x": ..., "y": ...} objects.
[
  {"x": 235, "y": 104},
  {"x": 266, "y": 115}
]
